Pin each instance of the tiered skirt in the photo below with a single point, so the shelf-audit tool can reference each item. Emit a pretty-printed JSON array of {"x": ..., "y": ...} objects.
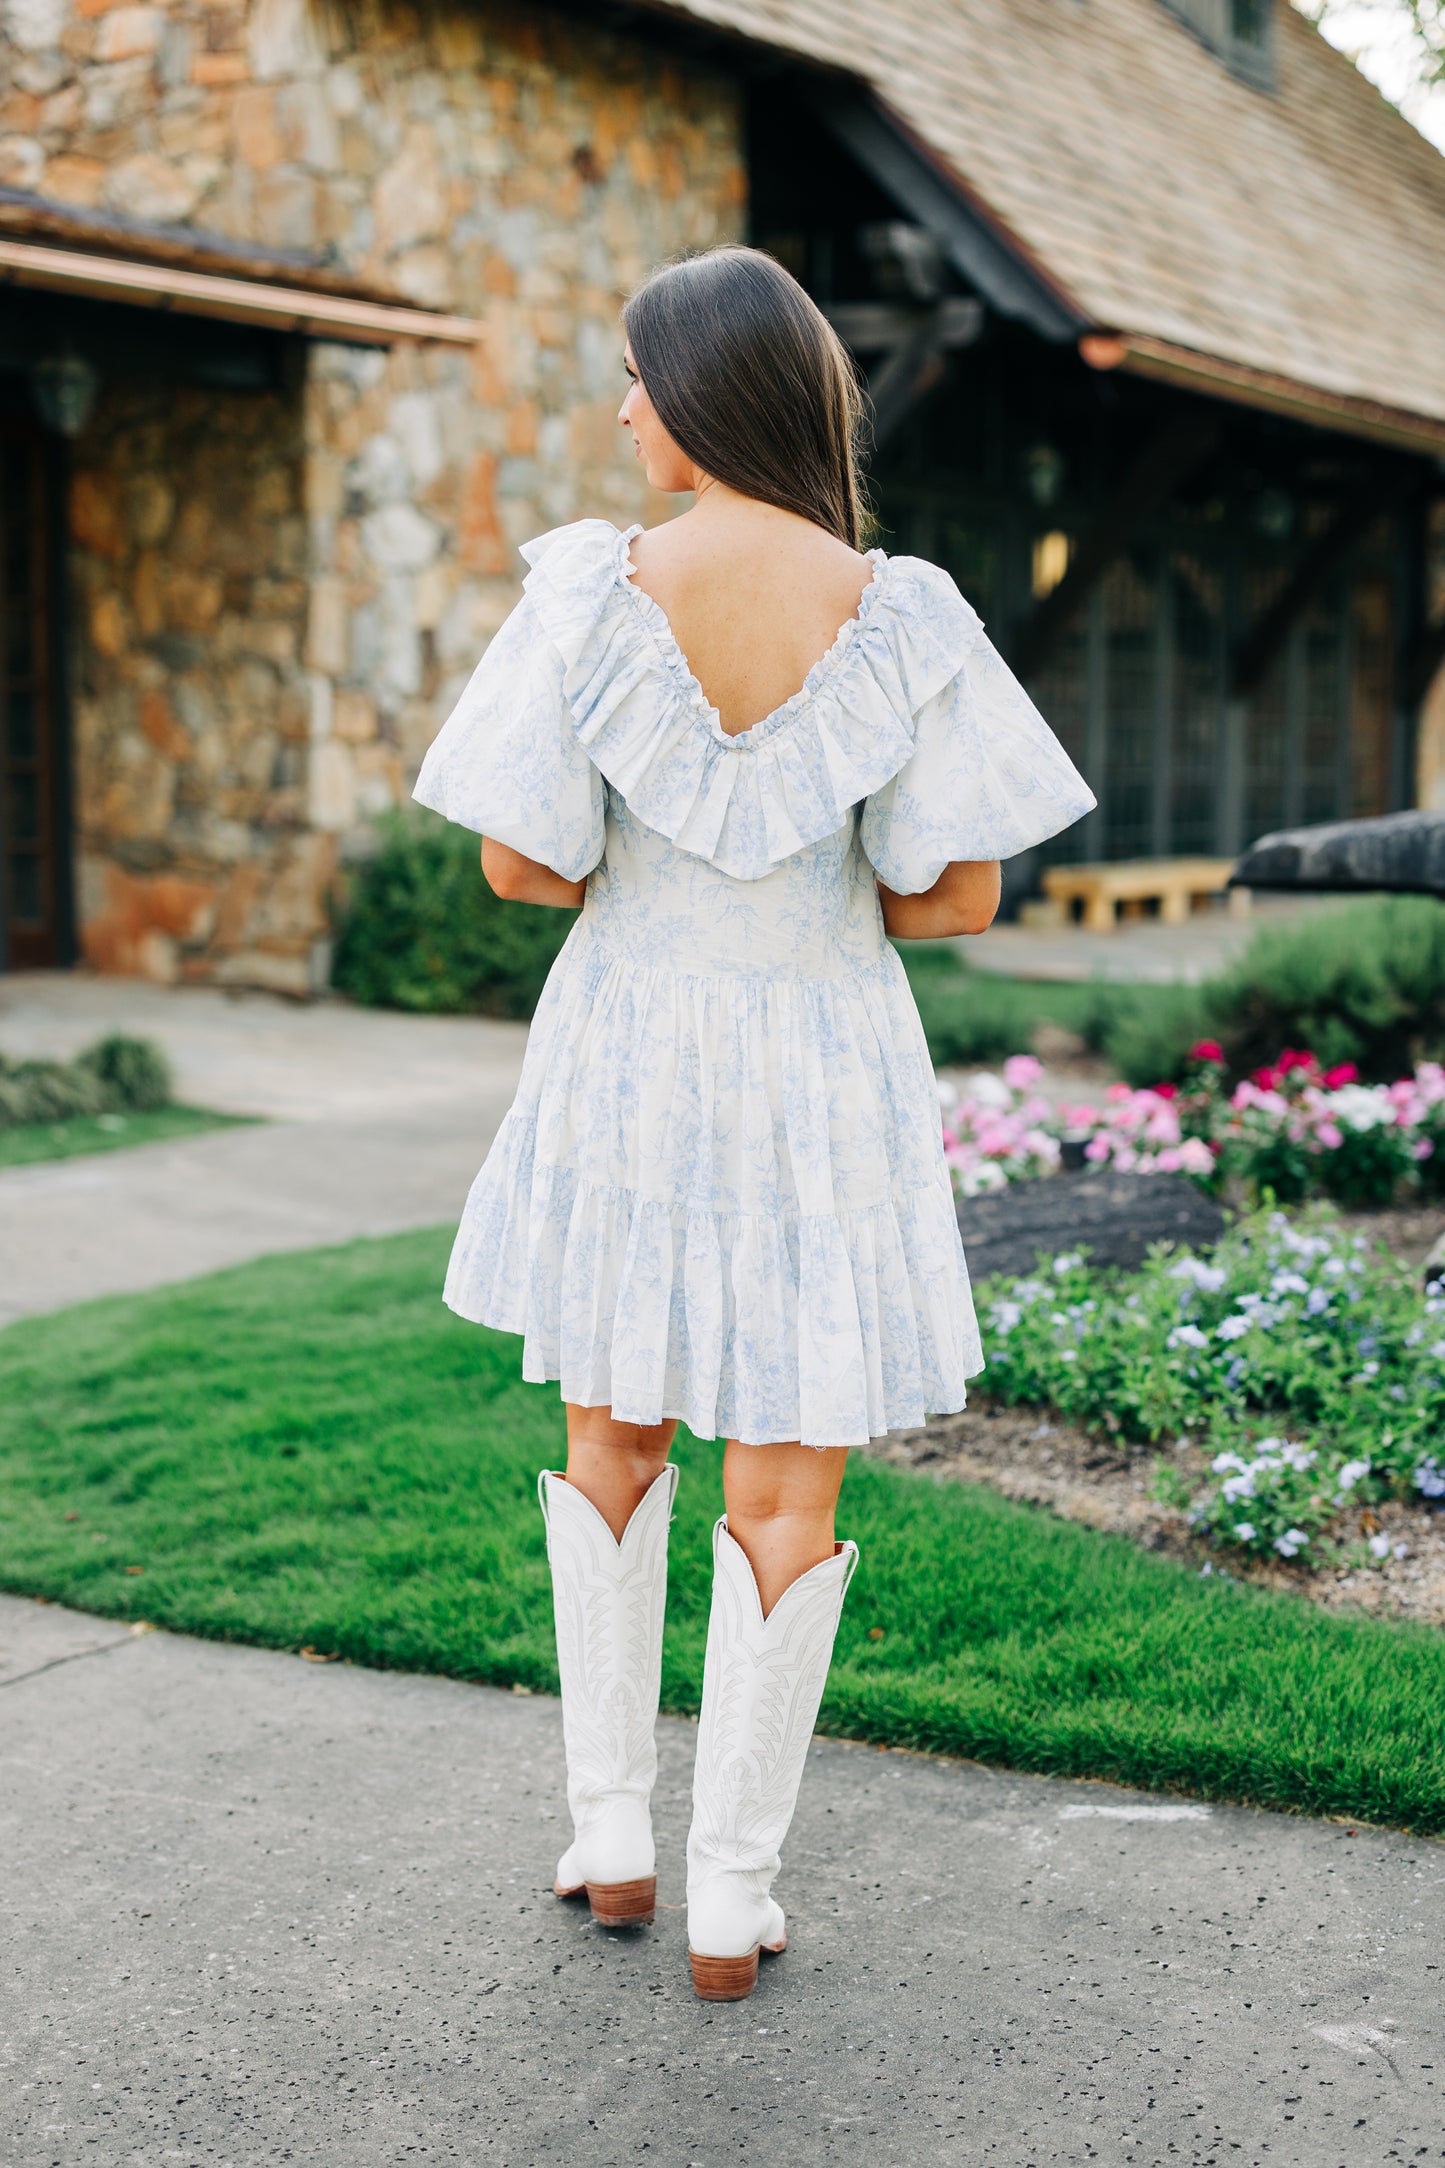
[{"x": 723, "y": 1198}]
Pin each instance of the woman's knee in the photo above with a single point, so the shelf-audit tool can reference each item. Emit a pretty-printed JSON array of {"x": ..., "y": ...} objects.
[
  {"x": 766, "y": 1483},
  {"x": 640, "y": 1445}
]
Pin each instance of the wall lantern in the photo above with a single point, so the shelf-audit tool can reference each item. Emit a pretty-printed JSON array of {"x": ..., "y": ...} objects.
[
  {"x": 64, "y": 389},
  {"x": 1274, "y": 514},
  {"x": 1044, "y": 467}
]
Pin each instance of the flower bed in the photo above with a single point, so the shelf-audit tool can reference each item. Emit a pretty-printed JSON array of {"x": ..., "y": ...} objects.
[
  {"x": 1291, "y": 1131},
  {"x": 1312, "y": 1371}
]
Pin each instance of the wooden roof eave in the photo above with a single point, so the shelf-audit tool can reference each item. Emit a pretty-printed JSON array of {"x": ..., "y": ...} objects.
[
  {"x": 241, "y": 300},
  {"x": 1214, "y": 376}
]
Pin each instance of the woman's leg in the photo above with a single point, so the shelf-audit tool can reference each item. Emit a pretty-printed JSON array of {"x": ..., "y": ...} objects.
[
  {"x": 614, "y": 1465},
  {"x": 762, "y": 1684},
  {"x": 780, "y": 1504},
  {"x": 607, "y": 1528}
]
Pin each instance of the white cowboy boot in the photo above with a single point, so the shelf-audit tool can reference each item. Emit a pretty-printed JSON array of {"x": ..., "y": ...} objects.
[
  {"x": 608, "y": 1600},
  {"x": 762, "y": 1683}
]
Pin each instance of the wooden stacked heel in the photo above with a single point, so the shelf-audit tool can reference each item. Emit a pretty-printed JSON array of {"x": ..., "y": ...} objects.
[
  {"x": 724, "y": 1979},
  {"x": 624, "y": 1904}
]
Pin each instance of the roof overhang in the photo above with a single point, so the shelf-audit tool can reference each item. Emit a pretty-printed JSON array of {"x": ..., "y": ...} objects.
[
  {"x": 1218, "y": 378},
  {"x": 347, "y": 318},
  {"x": 931, "y": 192}
]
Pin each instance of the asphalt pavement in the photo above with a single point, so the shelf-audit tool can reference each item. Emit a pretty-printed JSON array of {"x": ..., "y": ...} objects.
[{"x": 258, "y": 1910}]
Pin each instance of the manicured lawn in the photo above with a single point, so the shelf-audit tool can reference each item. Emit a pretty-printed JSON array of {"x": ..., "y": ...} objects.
[
  {"x": 33, "y": 1141},
  {"x": 312, "y": 1451}
]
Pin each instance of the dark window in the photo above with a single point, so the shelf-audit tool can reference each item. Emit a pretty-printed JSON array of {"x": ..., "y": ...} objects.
[{"x": 1241, "y": 32}]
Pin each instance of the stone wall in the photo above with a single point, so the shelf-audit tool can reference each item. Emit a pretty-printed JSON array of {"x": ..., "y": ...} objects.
[
  {"x": 500, "y": 163},
  {"x": 195, "y": 856}
]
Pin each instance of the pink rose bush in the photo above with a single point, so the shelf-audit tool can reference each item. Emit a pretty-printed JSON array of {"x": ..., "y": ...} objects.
[
  {"x": 1293, "y": 1130},
  {"x": 1141, "y": 1132},
  {"x": 1299, "y": 1130},
  {"x": 999, "y": 1130}
]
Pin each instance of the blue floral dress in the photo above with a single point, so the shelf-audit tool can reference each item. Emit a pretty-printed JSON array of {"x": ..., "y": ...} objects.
[{"x": 720, "y": 1193}]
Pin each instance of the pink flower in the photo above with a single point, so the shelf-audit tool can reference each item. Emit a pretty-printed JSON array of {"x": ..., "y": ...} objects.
[
  {"x": 1021, "y": 1070},
  {"x": 1165, "y": 1091},
  {"x": 1206, "y": 1050},
  {"x": 1344, "y": 1072}
]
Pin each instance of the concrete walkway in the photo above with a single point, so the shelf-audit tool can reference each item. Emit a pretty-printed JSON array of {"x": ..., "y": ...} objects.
[
  {"x": 1142, "y": 950},
  {"x": 374, "y": 1122},
  {"x": 257, "y": 1910}
]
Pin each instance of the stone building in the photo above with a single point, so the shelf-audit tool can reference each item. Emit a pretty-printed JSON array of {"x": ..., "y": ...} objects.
[{"x": 310, "y": 315}]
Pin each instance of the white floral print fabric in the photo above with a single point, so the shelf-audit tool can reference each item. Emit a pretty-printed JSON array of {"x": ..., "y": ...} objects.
[{"x": 720, "y": 1193}]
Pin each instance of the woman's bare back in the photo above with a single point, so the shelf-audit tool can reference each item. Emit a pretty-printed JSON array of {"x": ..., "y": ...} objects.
[{"x": 755, "y": 597}]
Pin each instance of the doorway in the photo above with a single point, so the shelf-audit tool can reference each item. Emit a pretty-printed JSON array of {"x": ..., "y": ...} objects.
[{"x": 35, "y": 902}]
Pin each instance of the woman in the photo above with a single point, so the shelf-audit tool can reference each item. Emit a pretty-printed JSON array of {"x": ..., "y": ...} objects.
[{"x": 748, "y": 750}]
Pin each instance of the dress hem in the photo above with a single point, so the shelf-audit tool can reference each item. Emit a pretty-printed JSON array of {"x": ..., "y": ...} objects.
[{"x": 648, "y": 1421}]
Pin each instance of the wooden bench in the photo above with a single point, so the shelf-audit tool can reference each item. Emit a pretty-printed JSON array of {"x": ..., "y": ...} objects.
[{"x": 1171, "y": 882}]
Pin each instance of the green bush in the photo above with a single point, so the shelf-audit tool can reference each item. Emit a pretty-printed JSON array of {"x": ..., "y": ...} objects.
[
  {"x": 422, "y": 930},
  {"x": 117, "y": 1075},
  {"x": 133, "y": 1073},
  {"x": 1146, "y": 1031},
  {"x": 1365, "y": 984},
  {"x": 46, "y": 1091}
]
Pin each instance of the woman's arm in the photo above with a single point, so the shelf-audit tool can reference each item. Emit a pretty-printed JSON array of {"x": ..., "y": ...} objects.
[
  {"x": 522, "y": 880},
  {"x": 963, "y": 899}
]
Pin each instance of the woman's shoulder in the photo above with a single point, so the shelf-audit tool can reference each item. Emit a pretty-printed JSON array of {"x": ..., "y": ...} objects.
[
  {"x": 580, "y": 542},
  {"x": 918, "y": 583}
]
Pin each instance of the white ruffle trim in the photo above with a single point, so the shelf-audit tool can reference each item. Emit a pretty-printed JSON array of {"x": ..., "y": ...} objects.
[
  {"x": 743, "y": 802},
  {"x": 829, "y": 1328}
]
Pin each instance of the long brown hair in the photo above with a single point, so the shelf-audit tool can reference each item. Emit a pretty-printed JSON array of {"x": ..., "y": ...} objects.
[{"x": 751, "y": 381}]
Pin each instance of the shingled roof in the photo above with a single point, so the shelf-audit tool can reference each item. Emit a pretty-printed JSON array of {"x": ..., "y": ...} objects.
[{"x": 1296, "y": 233}]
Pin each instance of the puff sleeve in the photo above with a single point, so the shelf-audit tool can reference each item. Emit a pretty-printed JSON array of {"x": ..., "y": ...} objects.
[
  {"x": 508, "y": 763},
  {"x": 986, "y": 778}
]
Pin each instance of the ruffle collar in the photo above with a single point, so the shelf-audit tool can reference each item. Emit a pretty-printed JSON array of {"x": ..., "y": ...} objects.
[{"x": 744, "y": 802}]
